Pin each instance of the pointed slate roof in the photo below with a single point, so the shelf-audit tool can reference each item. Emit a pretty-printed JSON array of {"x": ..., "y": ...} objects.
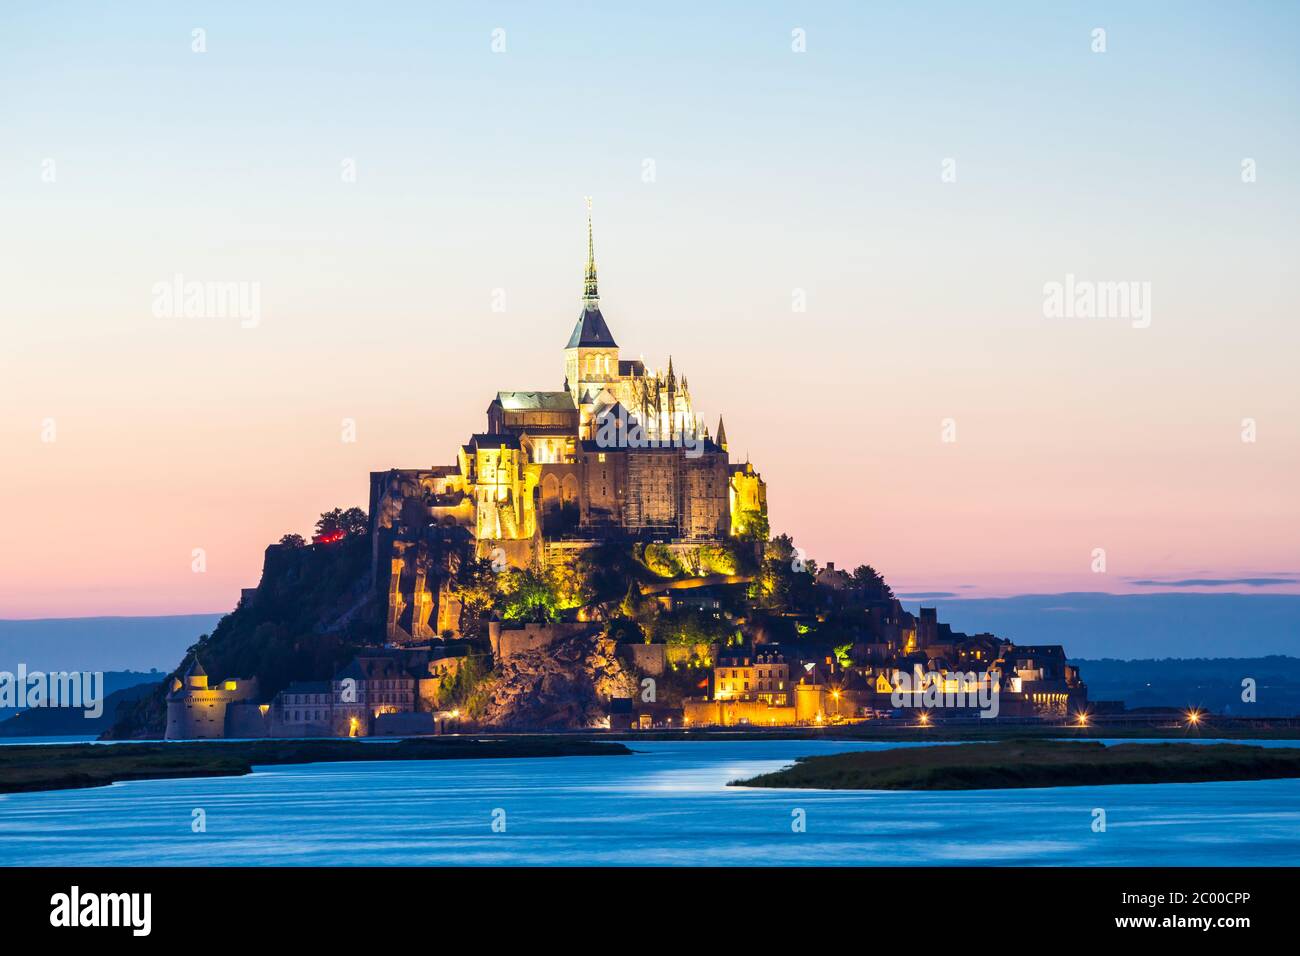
[
  {"x": 196, "y": 669},
  {"x": 591, "y": 331}
]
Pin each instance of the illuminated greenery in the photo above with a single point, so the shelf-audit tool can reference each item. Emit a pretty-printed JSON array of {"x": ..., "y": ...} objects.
[
  {"x": 527, "y": 595},
  {"x": 785, "y": 578},
  {"x": 463, "y": 690},
  {"x": 689, "y": 626},
  {"x": 754, "y": 526},
  {"x": 716, "y": 559},
  {"x": 661, "y": 560},
  {"x": 569, "y": 575}
]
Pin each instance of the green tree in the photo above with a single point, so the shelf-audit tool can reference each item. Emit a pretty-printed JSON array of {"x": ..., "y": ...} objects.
[
  {"x": 660, "y": 559},
  {"x": 605, "y": 571},
  {"x": 478, "y": 587},
  {"x": 718, "y": 559},
  {"x": 459, "y": 690},
  {"x": 754, "y": 526},
  {"x": 785, "y": 578},
  {"x": 633, "y": 602},
  {"x": 527, "y": 595},
  {"x": 351, "y": 522},
  {"x": 872, "y": 583}
]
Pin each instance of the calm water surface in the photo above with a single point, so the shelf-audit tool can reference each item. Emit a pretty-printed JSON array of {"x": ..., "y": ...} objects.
[{"x": 666, "y": 805}]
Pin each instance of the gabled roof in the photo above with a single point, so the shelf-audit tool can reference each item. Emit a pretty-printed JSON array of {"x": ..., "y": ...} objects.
[
  {"x": 515, "y": 401},
  {"x": 591, "y": 331},
  {"x": 616, "y": 409},
  {"x": 483, "y": 440}
]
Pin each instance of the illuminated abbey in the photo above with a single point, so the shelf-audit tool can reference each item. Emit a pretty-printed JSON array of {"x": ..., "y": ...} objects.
[{"x": 619, "y": 451}]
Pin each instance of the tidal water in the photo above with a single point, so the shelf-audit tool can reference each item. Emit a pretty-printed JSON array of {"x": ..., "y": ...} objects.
[{"x": 666, "y": 805}]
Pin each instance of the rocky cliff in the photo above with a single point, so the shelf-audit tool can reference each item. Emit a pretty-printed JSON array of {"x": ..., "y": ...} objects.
[
  {"x": 564, "y": 686},
  {"x": 314, "y": 607}
]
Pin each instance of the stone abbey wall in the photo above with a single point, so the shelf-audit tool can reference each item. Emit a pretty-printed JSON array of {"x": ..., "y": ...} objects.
[
  {"x": 730, "y": 713},
  {"x": 510, "y": 641}
]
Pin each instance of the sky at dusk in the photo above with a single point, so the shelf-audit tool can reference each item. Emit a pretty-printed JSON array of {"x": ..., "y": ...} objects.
[{"x": 845, "y": 249}]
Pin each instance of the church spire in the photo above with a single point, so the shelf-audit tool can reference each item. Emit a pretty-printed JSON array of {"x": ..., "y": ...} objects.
[
  {"x": 589, "y": 294},
  {"x": 722, "y": 435},
  {"x": 591, "y": 331}
]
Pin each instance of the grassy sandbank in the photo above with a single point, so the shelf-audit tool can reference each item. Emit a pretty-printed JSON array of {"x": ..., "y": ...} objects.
[
  {"x": 67, "y": 766},
  {"x": 1032, "y": 763}
]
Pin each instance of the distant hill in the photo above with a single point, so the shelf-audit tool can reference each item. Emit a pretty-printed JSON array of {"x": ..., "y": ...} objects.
[
  {"x": 101, "y": 643},
  {"x": 1212, "y": 684},
  {"x": 66, "y": 722}
]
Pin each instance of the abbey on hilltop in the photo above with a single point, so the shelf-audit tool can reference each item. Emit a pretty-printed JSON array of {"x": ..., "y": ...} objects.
[{"x": 618, "y": 451}]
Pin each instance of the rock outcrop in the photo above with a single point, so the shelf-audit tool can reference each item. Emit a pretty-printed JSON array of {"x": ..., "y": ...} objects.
[
  {"x": 566, "y": 685},
  {"x": 315, "y": 606}
]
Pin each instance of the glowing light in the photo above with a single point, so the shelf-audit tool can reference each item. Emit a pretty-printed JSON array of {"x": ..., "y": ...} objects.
[
  {"x": 923, "y": 719},
  {"x": 1193, "y": 718}
]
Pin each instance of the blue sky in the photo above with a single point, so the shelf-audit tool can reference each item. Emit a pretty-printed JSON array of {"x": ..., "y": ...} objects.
[{"x": 774, "y": 171}]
